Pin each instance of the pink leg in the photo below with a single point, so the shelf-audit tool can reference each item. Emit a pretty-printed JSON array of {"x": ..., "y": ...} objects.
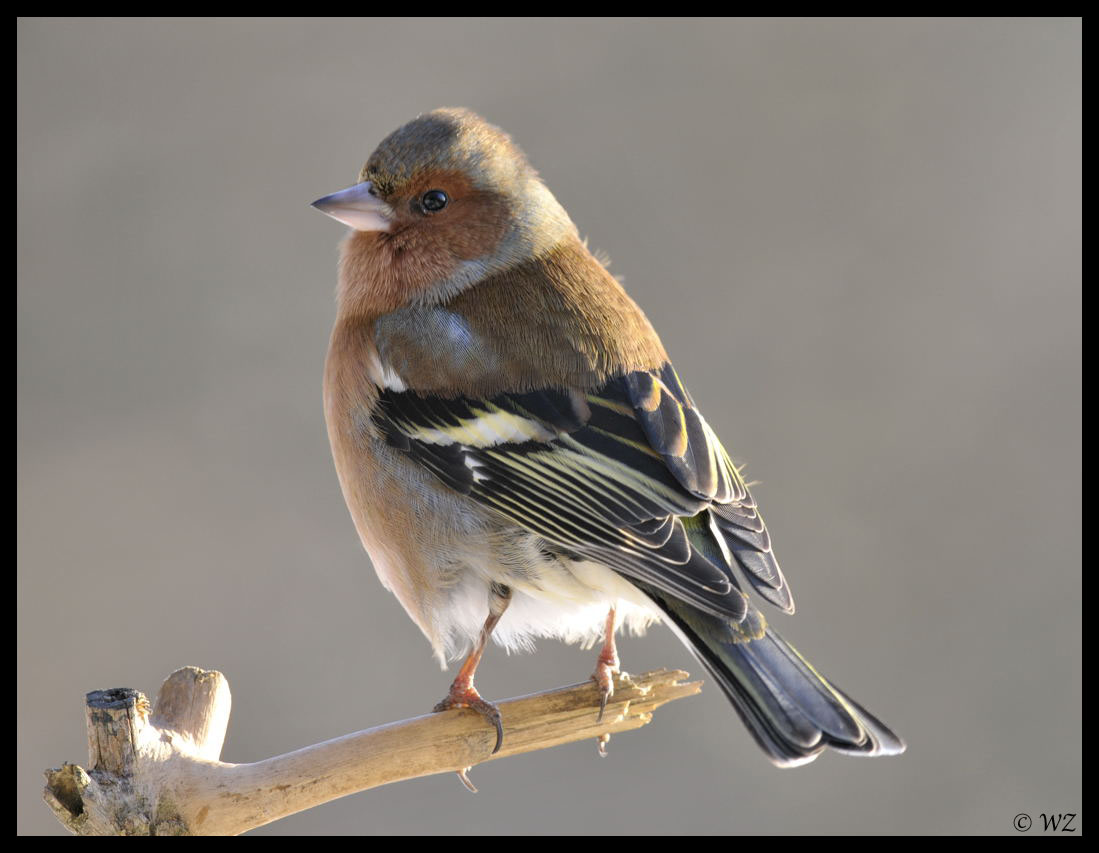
[
  {"x": 462, "y": 692},
  {"x": 606, "y": 666}
]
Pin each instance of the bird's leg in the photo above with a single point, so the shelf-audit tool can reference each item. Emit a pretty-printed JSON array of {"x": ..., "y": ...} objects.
[
  {"x": 462, "y": 692},
  {"x": 606, "y": 665}
]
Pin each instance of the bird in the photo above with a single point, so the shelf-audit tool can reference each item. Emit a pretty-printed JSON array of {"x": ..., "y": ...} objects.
[{"x": 521, "y": 459}]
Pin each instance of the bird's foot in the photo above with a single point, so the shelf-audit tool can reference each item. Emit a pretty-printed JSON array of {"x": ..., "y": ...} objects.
[
  {"x": 465, "y": 695},
  {"x": 606, "y": 667}
]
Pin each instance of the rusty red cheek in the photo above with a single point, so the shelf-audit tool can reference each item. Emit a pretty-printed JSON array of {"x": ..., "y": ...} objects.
[
  {"x": 470, "y": 226},
  {"x": 476, "y": 226},
  {"x": 387, "y": 270}
]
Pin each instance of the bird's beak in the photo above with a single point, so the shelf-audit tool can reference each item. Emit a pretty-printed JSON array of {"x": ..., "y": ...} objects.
[{"x": 355, "y": 206}]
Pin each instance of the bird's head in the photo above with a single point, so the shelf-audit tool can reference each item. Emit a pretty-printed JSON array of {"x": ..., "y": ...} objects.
[{"x": 443, "y": 202}]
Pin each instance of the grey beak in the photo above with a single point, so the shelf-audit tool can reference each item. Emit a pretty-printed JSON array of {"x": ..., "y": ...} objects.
[{"x": 357, "y": 208}]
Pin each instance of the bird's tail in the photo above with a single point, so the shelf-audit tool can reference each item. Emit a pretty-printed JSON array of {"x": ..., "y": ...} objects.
[{"x": 791, "y": 710}]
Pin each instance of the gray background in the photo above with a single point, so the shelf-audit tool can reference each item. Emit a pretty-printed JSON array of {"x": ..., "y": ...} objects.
[{"x": 860, "y": 241}]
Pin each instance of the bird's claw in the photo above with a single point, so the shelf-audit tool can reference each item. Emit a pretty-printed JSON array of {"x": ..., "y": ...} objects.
[
  {"x": 604, "y": 679},
  {"x": 468, "y": 697}
]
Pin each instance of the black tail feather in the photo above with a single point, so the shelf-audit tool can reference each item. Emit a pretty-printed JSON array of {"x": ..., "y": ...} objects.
[{"x": 791, "y": 710}]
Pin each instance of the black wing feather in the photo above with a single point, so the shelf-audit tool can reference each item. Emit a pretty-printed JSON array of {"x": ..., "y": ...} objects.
[{"x": 629, "y": 474}]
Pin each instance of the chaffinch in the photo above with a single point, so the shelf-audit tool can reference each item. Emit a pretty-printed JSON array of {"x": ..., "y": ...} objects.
[{"x": 518, "y": 454}]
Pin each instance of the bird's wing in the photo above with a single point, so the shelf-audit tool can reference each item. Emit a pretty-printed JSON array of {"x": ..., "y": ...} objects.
[
  {"x": 694, "y": 454},
  {"x": 629, "y": 474}
]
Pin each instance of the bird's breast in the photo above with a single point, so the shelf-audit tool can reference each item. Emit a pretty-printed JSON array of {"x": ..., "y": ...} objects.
[{"x": 385, "y": 494}]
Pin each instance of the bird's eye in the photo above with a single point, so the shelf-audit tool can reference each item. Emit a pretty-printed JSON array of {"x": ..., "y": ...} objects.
[{"x": 434, "y": 200}]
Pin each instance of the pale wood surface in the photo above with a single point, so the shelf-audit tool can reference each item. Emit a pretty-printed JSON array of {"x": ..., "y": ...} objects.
[{"x": 160, "y": 774}]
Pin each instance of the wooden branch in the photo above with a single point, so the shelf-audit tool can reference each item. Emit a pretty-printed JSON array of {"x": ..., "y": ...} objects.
[{"x": 160, "y": 774}]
